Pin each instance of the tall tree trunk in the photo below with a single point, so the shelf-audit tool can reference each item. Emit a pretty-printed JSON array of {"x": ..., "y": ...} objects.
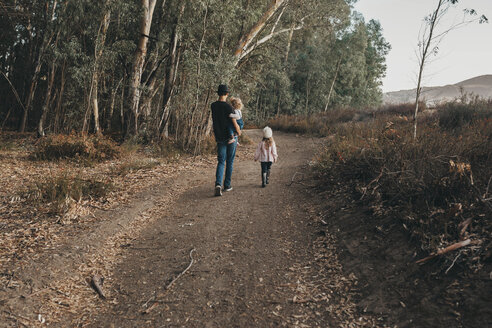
[
  {"x": 47, "y": 99},
  {"x": 289, "y": 42},
  {"x": 58, "y": 108},
  {"x": 138, "y": 63},
  {"x": 47, "y": 37},
  {"x": 247, "y": 38},
  {"x": 333, "y": 84},
  {"x": 171, "y": 70},
  {"x": 93, "y": 104},
  {"x": 198, "y": 78},
  {"x": 32, "y": 90},
  {"x": 307, "y": 96},
  {"x": 278, "y": 103},
  {"x": 109, "y": 117}
]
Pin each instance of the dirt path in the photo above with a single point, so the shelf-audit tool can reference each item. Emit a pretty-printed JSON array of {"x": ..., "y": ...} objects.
[
  {"x": 253, "y": 251},
  {"x": 260, "y": 256},
  {"x": 288, "y": 255}
]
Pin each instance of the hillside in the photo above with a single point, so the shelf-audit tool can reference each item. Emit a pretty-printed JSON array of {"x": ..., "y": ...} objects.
[{"x": 480, "y": 85}]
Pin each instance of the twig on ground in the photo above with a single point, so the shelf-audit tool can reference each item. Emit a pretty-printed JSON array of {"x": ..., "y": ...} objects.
[
  {"x": 154, "y": 298},
  {"x": 149, "y": 300},
  {"x": 293, "y": 177},
  {"x": 18, "y": 316},
  {"x": 464, "y": 225},
  {"x": 370, "y": 183},
  {"x": 452, "y": 264},
  {"x": 34, "y": 293},
  {"x": 10, "y": 280},
  {"x": 182, "y": 273},
  {"x": 477, "y": 191},
  {"x": 299, "y": 181},
  {"x": 446, "y": 250},
  {"x": 487, "y": 189},
  {"x": 96, "y": 283}
]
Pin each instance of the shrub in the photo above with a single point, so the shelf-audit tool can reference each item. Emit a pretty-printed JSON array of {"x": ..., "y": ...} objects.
[
  {"x": 7, "y": 145},
  {"x": 136, "y": 165},
  {"x": 245, "y": 140},
  {"x": 208, "y": 145},
  {"x": 76, "y": 147},
  {"x": 455, "y": 115},
  {"x": 420, "y": 183},
  {"x": 60, "y": 190},
  {"x": 168, "y": 148}
]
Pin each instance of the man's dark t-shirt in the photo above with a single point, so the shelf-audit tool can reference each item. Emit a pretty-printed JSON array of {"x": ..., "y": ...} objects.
[{"x": 221, "y": 120}]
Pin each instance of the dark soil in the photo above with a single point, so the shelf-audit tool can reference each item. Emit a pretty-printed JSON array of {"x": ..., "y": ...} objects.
[{"x": 434, "y": 294}]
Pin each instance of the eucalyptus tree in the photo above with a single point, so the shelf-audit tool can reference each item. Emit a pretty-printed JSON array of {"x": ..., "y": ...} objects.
[{"x": 149, "y": 68}]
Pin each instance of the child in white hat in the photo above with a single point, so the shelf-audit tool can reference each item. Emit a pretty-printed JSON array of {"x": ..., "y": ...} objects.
[{"x": 266, "y": 153}]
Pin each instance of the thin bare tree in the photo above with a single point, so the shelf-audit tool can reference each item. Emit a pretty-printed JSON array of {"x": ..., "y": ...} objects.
[{"x": 430, "y": 39}]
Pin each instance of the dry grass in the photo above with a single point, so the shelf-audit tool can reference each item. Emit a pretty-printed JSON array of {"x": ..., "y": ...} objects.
[
  {"x": 76, "y": 147},
  {"x": 61, "y": 191},
  {"x": 431, "y": 186}
]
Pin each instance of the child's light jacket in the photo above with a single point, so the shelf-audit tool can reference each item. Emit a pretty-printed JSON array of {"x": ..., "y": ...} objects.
[{"x": 264, "y": 154}]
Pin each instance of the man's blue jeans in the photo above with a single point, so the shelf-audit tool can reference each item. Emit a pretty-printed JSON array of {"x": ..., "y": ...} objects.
[{"x": 225, "y": 157}]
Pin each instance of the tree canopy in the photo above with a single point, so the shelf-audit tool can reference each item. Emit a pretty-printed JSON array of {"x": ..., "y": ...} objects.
[{"x": 150, "y": 68}]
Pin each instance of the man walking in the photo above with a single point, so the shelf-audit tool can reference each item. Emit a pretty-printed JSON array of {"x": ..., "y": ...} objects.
[{"x": 225, "y": 151}]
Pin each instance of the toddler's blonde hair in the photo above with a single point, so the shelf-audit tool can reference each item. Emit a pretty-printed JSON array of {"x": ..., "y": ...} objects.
[{"x": 236, "y": 103}]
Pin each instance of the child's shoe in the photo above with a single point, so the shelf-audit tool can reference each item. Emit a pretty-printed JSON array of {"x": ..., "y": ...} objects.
[
  {"x": 267, "y": 176},
  {"x": 263, "y": 180}
]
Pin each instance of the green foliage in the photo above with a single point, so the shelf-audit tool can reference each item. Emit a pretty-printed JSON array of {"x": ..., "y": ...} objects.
[{"x": 190, "y": 50}]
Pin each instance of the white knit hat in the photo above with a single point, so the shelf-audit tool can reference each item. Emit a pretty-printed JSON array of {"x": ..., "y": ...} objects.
[{"x": 267, "y": 132}]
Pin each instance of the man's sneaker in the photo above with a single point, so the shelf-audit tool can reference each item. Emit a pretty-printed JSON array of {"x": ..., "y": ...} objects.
[
  {"x": 227, "y": 188},
  {"x": 218, "y": 190}
]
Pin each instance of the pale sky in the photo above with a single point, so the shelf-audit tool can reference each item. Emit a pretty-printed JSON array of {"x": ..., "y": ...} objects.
[{"x": 463, "y": 54}]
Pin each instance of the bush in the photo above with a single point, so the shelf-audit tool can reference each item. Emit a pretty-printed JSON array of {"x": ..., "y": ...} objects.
[
  {"x": 209, "y": 145},
  {"x": 321, "y": 124},
  {"x": 76, "y": 147},
  {"x": 60, "y": 190},
  {"x": 455, "y": 115},
  {"x": 430, "y": 185},
  {"x": 7, "y": 145},
  {"x": 245, "y": 140},
  {"x": 136, "y": 165},
  {"x": 168, "y": 148}
]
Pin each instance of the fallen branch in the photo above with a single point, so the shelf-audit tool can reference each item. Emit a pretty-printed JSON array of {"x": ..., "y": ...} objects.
[
  {"x": 299, "y": 181},
  {"x": 96, "y": 283},
  {"x": 446, "y": 250},
  {"x": 464, "y": 225},
  {"x": 487, "y": 189},
  {"x": 18, "y": 316},
  {"x": 292, "y": 179},
  {"x": 452, "y": 264},
  {"x": 154, "y": 298},
  {"x": 370, "y": 183}
]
